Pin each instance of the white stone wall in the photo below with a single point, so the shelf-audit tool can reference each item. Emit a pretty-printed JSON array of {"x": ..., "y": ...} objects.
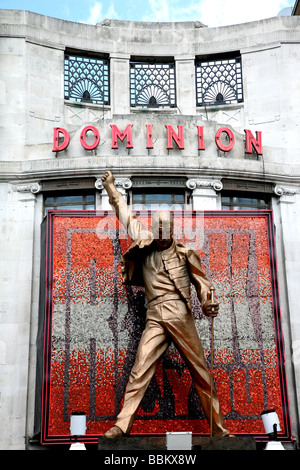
[
  {"x": 16, "y": 255},
  {"x": 32, "y": 104}
]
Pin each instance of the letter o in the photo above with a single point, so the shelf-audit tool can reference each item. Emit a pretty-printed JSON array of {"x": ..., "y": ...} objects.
[
  {"x": 83, "y": 137},
  {"x": 225, "y": 148}
]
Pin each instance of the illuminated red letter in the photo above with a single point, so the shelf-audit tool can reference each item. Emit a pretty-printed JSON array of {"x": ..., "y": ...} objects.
[
  {"x": 171, "y": 135},
  {"x": 83, "y": 139},
  {"x": 149, "y": 136},
  {"x": 121, "y": 135},
  {"x": 250, "y": 140},
  {"x": 200, "y": 138},
  {"x": 66, "y": 141},
  {"x": 225, "y": 148}
]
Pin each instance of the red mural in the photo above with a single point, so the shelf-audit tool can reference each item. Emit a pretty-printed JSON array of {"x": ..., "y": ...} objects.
[{"x": 93, "y": 324}]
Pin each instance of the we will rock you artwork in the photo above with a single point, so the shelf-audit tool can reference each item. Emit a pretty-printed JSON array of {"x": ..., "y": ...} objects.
[{"x": 92, "y": 324}]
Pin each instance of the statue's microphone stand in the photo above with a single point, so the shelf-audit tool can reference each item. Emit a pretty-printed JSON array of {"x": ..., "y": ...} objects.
[{"x": 211, "y": 359}]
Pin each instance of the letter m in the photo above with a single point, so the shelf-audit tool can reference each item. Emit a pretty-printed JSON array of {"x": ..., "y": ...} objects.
[{"x": 117, "y": 134}]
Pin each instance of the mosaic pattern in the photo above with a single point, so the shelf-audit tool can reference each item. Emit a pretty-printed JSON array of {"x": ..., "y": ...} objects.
[{"x": 93, "y": 324}]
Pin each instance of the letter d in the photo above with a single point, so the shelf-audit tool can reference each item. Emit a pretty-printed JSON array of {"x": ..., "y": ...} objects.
[{"x": 66, "y": 141}]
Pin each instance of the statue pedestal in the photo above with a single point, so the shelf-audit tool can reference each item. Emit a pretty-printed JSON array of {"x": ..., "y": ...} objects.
[{"x": 158, "y": 443}]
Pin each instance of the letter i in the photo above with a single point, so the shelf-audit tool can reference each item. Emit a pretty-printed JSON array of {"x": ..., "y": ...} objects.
[{"x": 149, "y": 136}]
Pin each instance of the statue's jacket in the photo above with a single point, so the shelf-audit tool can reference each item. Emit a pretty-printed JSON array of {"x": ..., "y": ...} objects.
[{"x": 183, "y": 264}]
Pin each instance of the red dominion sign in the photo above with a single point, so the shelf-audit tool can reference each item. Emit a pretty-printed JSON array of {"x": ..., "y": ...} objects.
[
  {"x": 91, "y": 325},
  {"x": 61, "y": 138}
]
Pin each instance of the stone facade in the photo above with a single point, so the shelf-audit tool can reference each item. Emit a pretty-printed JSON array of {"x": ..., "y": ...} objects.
[{"x": 32, "y": 103}]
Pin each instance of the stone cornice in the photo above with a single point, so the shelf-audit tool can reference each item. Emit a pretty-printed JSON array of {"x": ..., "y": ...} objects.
[
  {"x": 90, "y": 165},
  {"x": 24, "y": 173},
  {"x": 195, "y": 37}
]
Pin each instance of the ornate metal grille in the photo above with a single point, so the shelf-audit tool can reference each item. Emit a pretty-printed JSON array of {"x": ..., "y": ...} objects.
[
  {"x": 219, "y": 81},
  {"x": 86, "y": 79},
  {"x": 152, "y": 85}
]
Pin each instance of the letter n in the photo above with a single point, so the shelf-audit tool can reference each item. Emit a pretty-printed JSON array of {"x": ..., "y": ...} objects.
[
  {"x": 178, "y": 139},
  {"x": 117, "y": 134},
  {"x": 66, "y": 141},
  {"x": 251, "y": 141}
]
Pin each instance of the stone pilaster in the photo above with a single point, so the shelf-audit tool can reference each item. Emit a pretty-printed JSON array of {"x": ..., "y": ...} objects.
[
  {"x": 122, "y": 185},
  {"x": 204, "y": 193}
]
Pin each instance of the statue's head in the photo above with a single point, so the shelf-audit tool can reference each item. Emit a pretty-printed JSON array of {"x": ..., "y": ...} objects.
[{"x": 162, "y": 228}]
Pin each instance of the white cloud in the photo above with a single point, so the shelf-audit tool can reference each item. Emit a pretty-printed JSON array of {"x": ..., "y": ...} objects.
[
  {"x": 210, "y": 12},
  {"x": 111, "y": 13},
  {"x": 218, "y": 12},
  {"x": 214, "y": 12},
  {"x": 97, "y": 14},
  {"x": 159, "y": 10}
]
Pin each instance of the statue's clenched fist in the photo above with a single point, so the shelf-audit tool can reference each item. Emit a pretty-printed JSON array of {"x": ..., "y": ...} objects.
[
  {"x": 108, "y": 179},
  {"x": 211, "y": 309}
]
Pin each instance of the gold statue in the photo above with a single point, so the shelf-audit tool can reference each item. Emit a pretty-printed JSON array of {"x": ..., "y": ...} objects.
[{"x": 166, "y": 268}]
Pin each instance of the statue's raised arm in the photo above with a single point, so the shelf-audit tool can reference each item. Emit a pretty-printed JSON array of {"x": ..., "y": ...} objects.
[{"x": 131, "y": 224}]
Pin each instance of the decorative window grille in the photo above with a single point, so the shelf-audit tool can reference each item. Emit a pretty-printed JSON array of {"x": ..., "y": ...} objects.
[
  {"x": 152, "y": 85},
  {"x": 86, "y": 79},
  {"x": 219, "y": 81}
]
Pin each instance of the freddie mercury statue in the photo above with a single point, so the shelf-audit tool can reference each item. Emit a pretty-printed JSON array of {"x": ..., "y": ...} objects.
[{"x": 166, "y": 268}]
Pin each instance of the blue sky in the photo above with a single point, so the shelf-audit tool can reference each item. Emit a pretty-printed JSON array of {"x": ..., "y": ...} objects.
[{"x": 210, "y": 12}]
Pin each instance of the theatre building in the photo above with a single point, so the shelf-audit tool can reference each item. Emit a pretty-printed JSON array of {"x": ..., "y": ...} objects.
[{"x": 202, "y": 121}]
